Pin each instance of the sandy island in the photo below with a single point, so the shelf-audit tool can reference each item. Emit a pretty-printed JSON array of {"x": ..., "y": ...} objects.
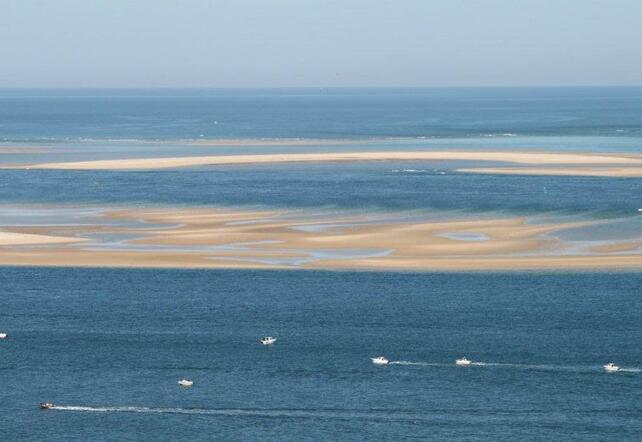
[
  {"x": 206, "y": 238},
  {"x": 578, "y": 163}
]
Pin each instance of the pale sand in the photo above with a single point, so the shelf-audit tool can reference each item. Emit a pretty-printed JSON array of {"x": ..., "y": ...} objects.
[
  {"x": 529, "y": 158},
  {"x": 614, "y": 172},
  {"x": 262, "y": 236},
  {"x": 17, "y": 238},
  {"x": 618, "y": 247}
]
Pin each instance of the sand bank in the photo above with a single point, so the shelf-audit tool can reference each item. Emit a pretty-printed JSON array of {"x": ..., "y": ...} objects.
[
  {"x": 614, "y": 172},
  {"x": 527, "y": 158},
  {"x": 17, "y": 238},
  {"x": 206, "y": 238}
]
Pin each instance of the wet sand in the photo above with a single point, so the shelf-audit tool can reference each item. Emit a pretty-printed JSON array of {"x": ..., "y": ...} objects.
[
  {"x": 206, "y": 238},
  {"x": 625, "y": 162},
  {"x": 614, "y": 172}
]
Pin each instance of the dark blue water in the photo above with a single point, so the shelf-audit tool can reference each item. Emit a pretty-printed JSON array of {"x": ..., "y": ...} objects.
[
  {"x": 327, "y": 113},
  {"x": 109, "y": 345}
]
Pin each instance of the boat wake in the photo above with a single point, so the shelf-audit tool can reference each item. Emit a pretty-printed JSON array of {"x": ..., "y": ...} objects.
[
  {"x": 266, "y": 413},
  {"x": 631, "y": 370},
  {"x": 426, "y": 364},
  {"x": 542, "y": 367}
]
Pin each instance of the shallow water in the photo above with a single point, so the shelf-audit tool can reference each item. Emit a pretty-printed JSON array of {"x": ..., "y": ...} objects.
[{"x": 108, "y": 346}]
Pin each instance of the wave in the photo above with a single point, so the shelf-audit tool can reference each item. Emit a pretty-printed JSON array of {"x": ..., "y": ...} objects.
[{"x": 433, "y": 171}]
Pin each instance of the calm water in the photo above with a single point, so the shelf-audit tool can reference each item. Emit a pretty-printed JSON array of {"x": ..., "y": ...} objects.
[
  {"x": 109, "y": 346},
  {"x": 365, "y": 186},
  {"x": 326, "y": 113}
]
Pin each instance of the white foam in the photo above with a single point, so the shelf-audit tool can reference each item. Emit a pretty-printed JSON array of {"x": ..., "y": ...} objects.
[
  {"x": 631, "y": 370},
  {"x": 546, "y": 367},
  {"x": 409, "y": 170},
  {"x": 428, "y": 364},
  {"x": 239, "y": 412}
]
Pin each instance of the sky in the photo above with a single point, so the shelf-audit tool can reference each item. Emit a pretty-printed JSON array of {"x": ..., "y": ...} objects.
[{"x": 319, "y": 43}]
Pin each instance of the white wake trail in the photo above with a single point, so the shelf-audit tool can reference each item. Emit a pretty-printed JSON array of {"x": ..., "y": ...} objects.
[
  {"x": 270, "y": 413},
  {"x": 539, "y": 367}
]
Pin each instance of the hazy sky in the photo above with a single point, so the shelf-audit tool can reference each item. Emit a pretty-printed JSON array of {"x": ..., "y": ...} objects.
[{"x": 320, "y": 43}]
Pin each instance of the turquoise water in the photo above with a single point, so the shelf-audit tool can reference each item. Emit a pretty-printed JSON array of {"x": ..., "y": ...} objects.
[{"x": 109, "y": 345}]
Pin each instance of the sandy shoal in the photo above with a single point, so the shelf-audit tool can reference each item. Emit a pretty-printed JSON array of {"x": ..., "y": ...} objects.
[
  {"x": 72, "y": 258},
  {"x": 614, "y": 172},
  {"x": 527, "y": 158},
  {"x": 618, "y": 247},
  {"x": 18, "y": 238},
  {"x": 264, "y": 239}
]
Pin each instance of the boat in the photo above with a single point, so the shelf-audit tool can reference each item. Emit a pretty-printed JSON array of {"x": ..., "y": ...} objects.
[
  {"x": 463, "y": 361},
  {"x": 611, "y": 367},
  {"x": 268, "y": 340},
  {"x": 3, "y": 335},
  {"x": 185, "y": 383},
  {"x": 46, "y": 405},
  {"x": 379, "y": 360}
]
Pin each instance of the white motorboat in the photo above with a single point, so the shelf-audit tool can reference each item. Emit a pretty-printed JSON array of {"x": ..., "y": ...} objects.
[
  {"x": 46, "y": 405},
  {"x": 268, "y": 340},
  {"x": 3, "y": 335},
  {"x": 463, "y": 361},
  {"x": 611, "y": 367},
  {"x": 379, "y": 360},
  {"x": 185, "y": 383}
]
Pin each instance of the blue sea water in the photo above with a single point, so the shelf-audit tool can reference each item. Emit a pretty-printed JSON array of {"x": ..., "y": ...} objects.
[
  {"x": 155, "y": 114},
  {"x": 388, "y": 186},
  {"x": 109, "y": 345}
]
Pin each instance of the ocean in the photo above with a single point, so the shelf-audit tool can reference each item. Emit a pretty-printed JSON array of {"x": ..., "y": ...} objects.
[
  {"x": 108, "y": 346},
  {"x": 166, "y": 114}
]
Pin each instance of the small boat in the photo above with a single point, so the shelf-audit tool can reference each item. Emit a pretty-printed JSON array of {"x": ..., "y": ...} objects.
[
  {"x": 268, "y": 340},
  {"x": 46, "y": 405},
  {"x": 611, "y": 367},
  {"x": 185, "y": 383},
  {"x": 379, "y": 360},
  {"x": 3, "y": 335},
  {"x": 463, "y": 361}
]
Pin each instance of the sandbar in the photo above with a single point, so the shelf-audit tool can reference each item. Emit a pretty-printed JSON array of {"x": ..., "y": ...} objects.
[
  {"x": 223, "y": 238},
  {"x": 18, "y": 238},
  {"x": 526, "y": 158},
  {"x": 613, "y": 172}
]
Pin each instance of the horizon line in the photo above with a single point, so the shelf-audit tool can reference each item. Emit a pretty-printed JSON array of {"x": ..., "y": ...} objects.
[{"x": 526, "y": 86}]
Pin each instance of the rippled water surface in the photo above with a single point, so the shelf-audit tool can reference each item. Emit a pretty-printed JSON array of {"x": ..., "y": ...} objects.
[{"x": 108, "y": 347}]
